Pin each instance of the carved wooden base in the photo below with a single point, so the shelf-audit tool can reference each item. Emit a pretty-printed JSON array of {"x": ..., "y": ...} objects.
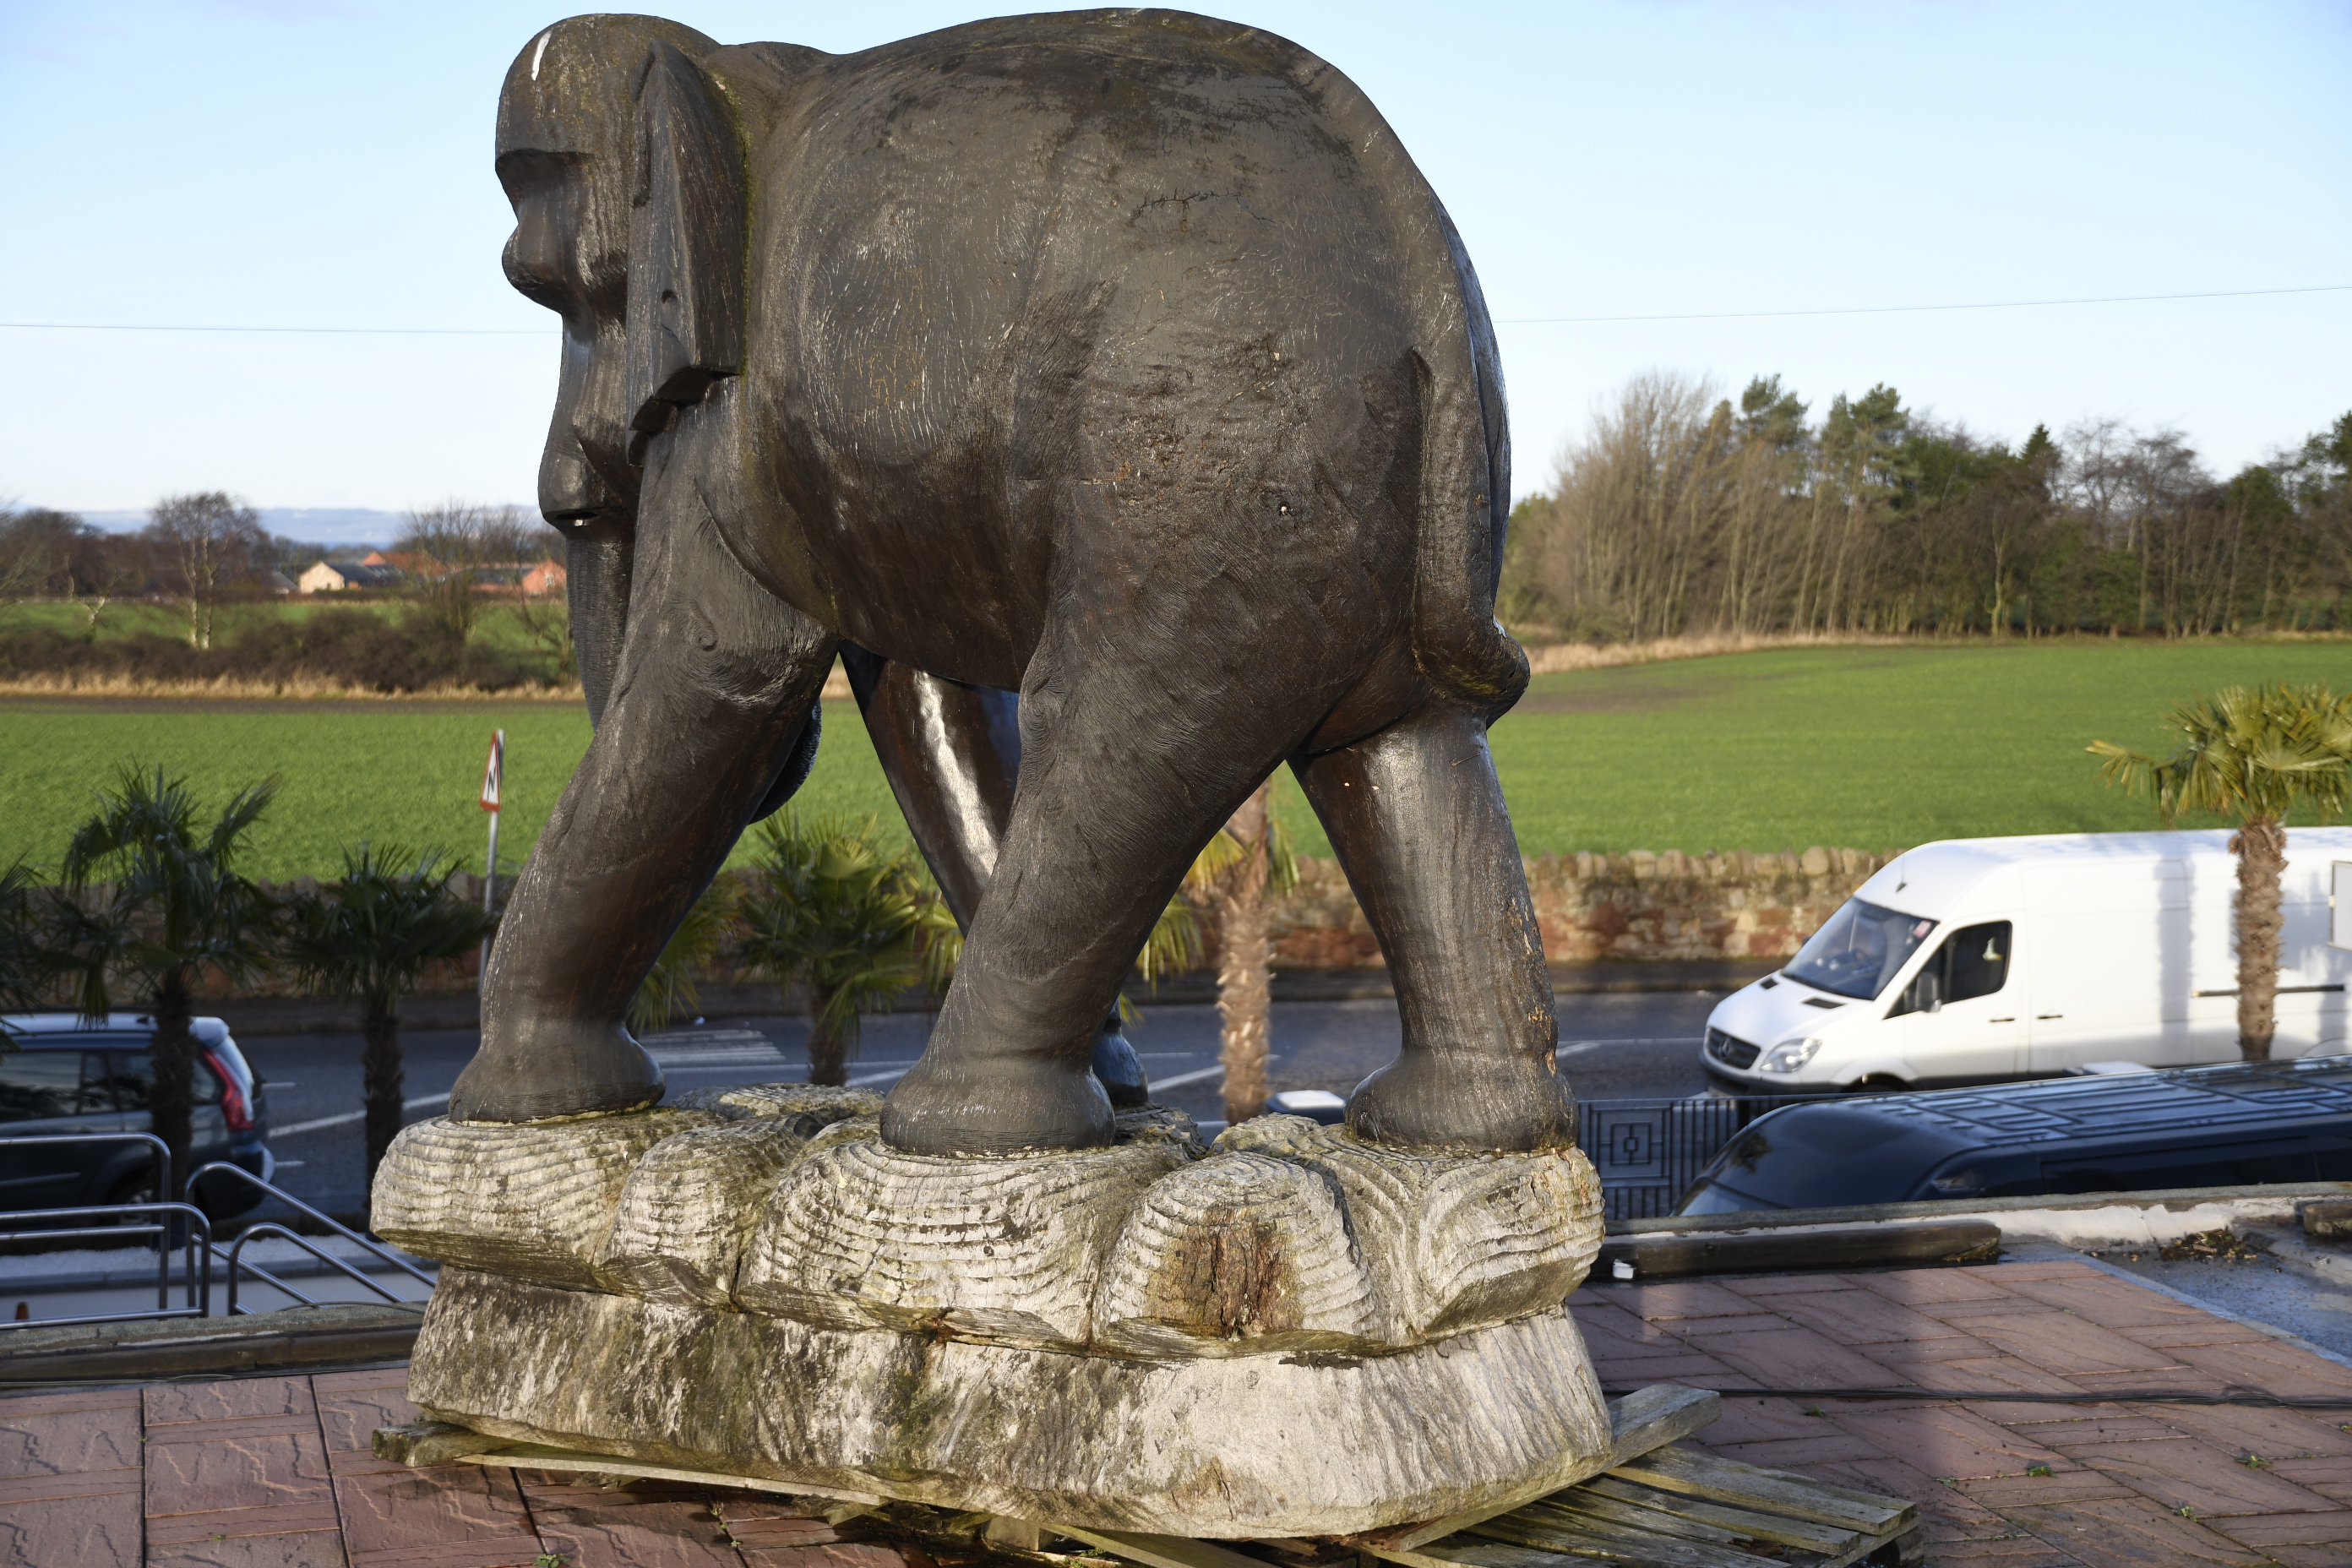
[
  {"x": 1296, "y": 1333},
  {"x": 1229, "y": 1445}
]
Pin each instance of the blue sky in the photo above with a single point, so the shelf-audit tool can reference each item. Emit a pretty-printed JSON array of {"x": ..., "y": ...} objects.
[{"x": 275, "y": 163}]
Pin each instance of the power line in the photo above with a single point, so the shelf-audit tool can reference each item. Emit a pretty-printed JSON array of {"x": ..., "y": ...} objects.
[
  {"x": 1900, "y": 309},
  {"x": 373, "y": 331},
  {"x": 1504, "y": 321}
]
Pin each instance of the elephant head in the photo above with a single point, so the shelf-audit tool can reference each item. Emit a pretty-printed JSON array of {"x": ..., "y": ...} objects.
[{"x": 624, "y": 165}]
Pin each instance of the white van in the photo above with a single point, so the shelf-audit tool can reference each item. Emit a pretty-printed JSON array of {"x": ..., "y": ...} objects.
[{"x": 1977, "y": 960}]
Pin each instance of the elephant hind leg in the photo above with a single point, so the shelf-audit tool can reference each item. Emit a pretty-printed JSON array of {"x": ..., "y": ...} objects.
[
  {"x": 1124, "y": 776},
  {"x": 1417, "y": 816}
]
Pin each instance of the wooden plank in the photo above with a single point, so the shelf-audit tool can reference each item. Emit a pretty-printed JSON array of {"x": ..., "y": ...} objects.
[
  {"x": 1667, "y": 1514},
  {"x": 538, "y": 1457},
  {"x": 1654, "y": 1417},
  {"x": 1645, "y": 1419},
  {"x": 420, "y": 1443},
  {"x": 1829, "y": 1540},
  {"x": 1777, "y": 1491},
  {"x": 1015, "y": 1534},
  {"x": 1655, "y": 1256},
  {"x": 1620, "y": 1549},
  {"x": 1158, "y": 1551}
]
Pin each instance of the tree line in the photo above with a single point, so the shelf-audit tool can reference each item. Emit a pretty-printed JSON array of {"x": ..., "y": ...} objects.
[
  {"x": 202, "y": 552},
  {"x": 1682, "y": 512}
]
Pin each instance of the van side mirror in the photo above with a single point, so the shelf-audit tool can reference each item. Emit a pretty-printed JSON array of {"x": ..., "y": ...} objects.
[{"x": 1928, "y": 991}]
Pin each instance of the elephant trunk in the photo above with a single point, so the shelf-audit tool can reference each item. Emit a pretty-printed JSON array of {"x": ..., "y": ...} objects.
[{"x": 597, "y": 572}]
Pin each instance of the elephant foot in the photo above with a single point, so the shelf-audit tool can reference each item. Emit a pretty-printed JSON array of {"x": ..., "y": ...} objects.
[
  {"x": 1481, "y": 1103},
  {"x": 592, "y": 1072},
  {"x": 997, "y": 1105},
  {"x": 1117, "y": 1069}
]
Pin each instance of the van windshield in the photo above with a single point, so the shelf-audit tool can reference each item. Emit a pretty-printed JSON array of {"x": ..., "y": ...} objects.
[{"x": 1860, "y": 951}]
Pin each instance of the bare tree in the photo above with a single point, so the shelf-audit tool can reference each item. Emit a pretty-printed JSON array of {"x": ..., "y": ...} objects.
[
  {"x": 1634, "y": 522},
  {"x": 208, "y": 540},
  {"x": 453, "y": 551}
]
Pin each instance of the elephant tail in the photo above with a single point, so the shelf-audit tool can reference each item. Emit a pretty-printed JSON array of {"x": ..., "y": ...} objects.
[{"x": 1465, "y": 495}]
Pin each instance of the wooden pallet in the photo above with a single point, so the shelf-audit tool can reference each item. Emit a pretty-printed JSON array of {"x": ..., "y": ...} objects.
[
  {"x": 1656, "y": 1506},
  {"x": 1675, "y": 1509}
]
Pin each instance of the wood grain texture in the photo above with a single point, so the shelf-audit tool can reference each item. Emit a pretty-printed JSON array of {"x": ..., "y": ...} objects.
[
  {"x": 1010, "y": 1249},
  {"x": 825, "y": 1103},
  {"x": 1241, "y": 1253},
  {"x": 1452, "y": 1241},
  {"x": 1645, "y": 1419},
  {"x": 1213, "y": 1446},
  {"x": 533, "y": 1201},
  {"x": 688, "y": 1210}
]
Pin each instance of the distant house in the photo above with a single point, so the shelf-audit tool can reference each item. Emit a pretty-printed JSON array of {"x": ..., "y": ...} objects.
[
  {"x": 546, "y": 577},
  {"x": 399, "y": 560},
  {"x": 330, "y": 578}
]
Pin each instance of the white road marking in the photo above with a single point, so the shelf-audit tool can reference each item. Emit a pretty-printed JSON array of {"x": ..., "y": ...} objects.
[
  {"x": 419, "y": 1103},
  {"x": 1203, "y": 1076}
]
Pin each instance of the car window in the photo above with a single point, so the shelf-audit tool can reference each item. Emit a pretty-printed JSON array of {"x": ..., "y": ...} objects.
[
  {"x": 34, "y": 1085},
  {"x": 128, "y": 1075},
  {"x": 2215, "y": 1165},
  {"x": 1979, "y": 960},
  {"x": 1973, "y": 962},
  {"x": 1859, "y": 949}
]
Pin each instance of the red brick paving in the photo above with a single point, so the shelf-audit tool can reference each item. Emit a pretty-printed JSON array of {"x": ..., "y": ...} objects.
[
  {"x": 2126, "y": 1483},
  {"x": 279, "y": 1472}
]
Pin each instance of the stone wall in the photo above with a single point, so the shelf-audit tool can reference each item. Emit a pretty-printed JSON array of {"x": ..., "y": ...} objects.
[{"x": 1634, "y": 906}]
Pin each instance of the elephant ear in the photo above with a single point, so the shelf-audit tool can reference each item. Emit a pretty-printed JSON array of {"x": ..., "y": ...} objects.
[{"x": 688, "y": 220}]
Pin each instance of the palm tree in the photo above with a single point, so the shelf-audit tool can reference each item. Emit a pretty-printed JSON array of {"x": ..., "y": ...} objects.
[
  {"x": 178, "y": 910},
  {"x": 2254, "y": 754},
  {"x": 23, "y": 955},
  {"x": 831, "y": 909},
  {"x": 368, "y": 939},
  {"x": 668, "y": 991},
  {"x": 1245, "y": 863}
]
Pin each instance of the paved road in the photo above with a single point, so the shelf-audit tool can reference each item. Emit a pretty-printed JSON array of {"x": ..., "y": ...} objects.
[{"x": 1613, "y": 1047}]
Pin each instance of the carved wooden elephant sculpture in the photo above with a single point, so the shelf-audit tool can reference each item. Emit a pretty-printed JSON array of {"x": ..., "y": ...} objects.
[{"x": 1121, "y": 360}]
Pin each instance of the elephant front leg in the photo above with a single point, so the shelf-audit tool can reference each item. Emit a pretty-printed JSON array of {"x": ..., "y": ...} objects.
[
  {"x": 953, "y": 754},
  {"x": 715, "y": 684}
]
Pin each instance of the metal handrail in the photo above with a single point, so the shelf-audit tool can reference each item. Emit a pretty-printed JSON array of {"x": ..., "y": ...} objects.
[
  {"x": 199, "y": 1280},
  {"x": 273, "y": 1228},
  {"x": 162, "y": 1190},
  {"x": 235, "y": 1262}
]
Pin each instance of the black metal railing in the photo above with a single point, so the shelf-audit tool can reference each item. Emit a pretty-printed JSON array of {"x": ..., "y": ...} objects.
[
  {"x": 1648, "y": 1152},
  {"x": 233, "y": 1258},
  {"x": 182, "y": 1227}
]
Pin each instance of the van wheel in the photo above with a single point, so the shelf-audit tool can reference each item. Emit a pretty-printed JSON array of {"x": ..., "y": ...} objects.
[{"x": 1879, "y": 1083}]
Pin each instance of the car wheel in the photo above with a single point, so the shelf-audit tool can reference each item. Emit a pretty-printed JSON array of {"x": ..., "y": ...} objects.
[{"x": 127, "y": 1190}]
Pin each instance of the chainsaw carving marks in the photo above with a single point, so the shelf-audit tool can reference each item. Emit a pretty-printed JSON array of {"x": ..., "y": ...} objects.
[
  {"x": 1289, "y": 1237},
  {"x": 1007, "y": 1250},
  {"x": 533, "y": 1201},
  {"x": 1294, "y": 1333}
]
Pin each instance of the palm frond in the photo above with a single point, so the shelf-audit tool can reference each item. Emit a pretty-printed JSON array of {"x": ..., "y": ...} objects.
[
  {"x": 2250, "y": 752},
  {"x": 669, "y": 991},
  {"x": 370, "y": 936}
]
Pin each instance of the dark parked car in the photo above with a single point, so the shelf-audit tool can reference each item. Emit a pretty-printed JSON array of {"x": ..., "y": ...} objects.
[
  {"x": 2199, "y": 1127},
  {"x": 60, "y": 1073}
]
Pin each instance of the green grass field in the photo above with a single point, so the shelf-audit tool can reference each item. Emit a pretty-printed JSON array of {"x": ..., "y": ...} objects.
[{"x": 1872, "y": 748}]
